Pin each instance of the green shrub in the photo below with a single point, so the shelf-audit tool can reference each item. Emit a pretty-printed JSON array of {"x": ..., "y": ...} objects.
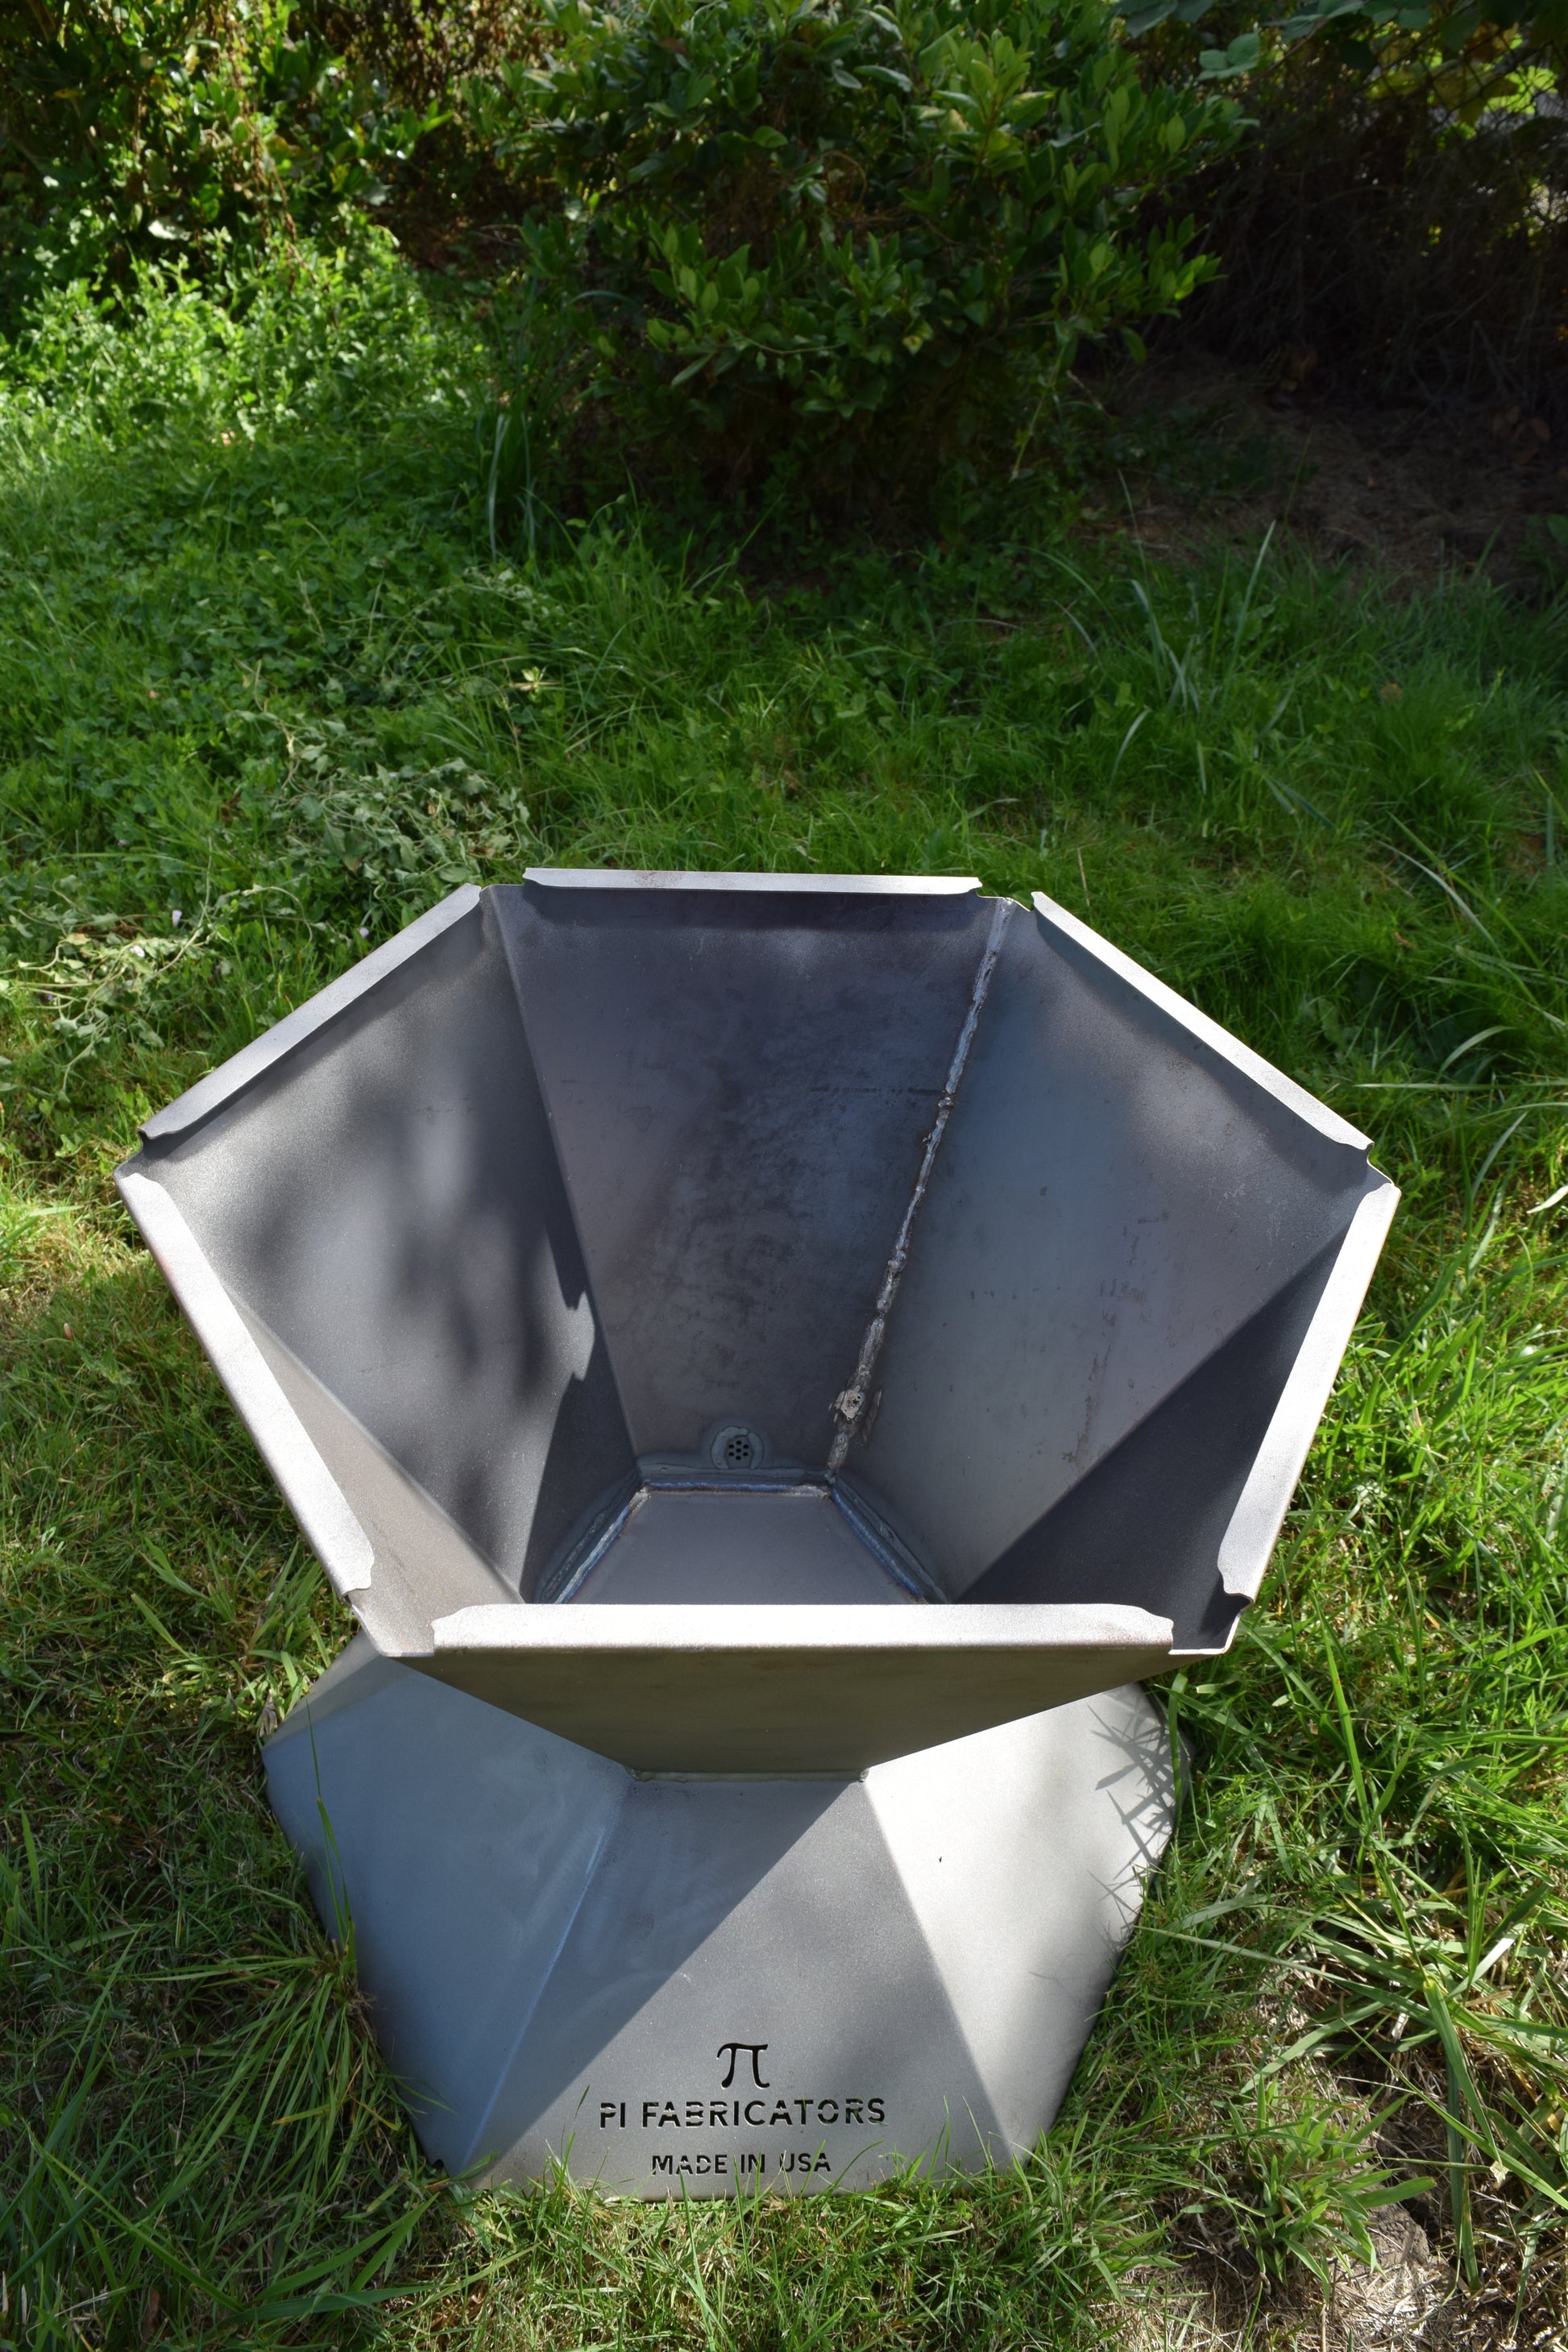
[
  {"x": 135, "y": 129},
  {"x": 1400, "y": 221},
  {"x": 846, "y": 238}
]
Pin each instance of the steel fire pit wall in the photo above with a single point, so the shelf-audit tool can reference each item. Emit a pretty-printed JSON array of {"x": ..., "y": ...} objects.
[
  {"x": 1023, "y": 1284},
  {"x": 759, "y": 1335}
]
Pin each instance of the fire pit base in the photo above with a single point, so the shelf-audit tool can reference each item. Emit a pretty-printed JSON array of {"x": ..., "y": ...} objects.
[{"x": 695, "y": 1986}]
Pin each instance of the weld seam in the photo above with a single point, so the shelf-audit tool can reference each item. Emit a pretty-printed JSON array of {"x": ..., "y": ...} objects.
[{"x": 851, "y": 1404}]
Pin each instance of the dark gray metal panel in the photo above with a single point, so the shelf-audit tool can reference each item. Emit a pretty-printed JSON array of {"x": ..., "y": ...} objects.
[
  {"x": 386, "y": 1199},
  {"x": 1112, "y": 1202},
  {"x": 423, "y": 1564},
  {"x": 688, "y": 1988},
  {"x": 1147, "y": 1522},
  {"x": 462, "y": 1842},
  {"x": 795, "y": 1548},
  {"x": 739, "y": 1084}
]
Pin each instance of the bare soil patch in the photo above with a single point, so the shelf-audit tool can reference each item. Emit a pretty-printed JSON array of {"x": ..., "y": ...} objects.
[{"x": 1432, "y": 490}]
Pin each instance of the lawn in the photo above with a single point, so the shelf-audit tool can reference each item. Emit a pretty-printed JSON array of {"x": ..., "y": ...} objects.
[{"x": 266, "y": 690}]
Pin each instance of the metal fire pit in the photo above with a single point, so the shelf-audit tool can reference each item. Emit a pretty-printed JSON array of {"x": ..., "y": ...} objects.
[{"x": 771, "y": 1363}]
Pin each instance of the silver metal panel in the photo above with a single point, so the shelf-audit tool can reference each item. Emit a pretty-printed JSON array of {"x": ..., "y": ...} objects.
[
  {"x": 745, "y": 1969},
  {"x": 793, "y": 1549},
  {"x": 1151, "y": 1516},
  {"x": 424, "y": 1567},
  {"x": 1254, "y": 1523},
  {"x": 1070, "y": 938},
  {"x": 837, "y": 886},
  {"x": 255, "y": 1060},
  {"x": 739, "y": 1084},
  {"x": 386, "y": 1199},
  {"x": 998, "y": 1840},
  {"x": 317, "y": 1501},
  {"x": 717, "y": 1687},
  {"x": 1114, "y": 1201},
  {"x": 461, "y": 1843},
  {"x": 684, "y": 1988}
]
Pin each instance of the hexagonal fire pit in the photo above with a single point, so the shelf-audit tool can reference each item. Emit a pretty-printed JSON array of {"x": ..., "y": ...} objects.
[{"x": 770, "y": 1362}]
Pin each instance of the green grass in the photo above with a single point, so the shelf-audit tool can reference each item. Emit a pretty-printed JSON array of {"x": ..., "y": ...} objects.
[{"x": 264, "y": 693}]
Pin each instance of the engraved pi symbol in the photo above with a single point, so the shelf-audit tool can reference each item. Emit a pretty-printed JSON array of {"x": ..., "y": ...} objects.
[{"x": 754, "y": 2051}]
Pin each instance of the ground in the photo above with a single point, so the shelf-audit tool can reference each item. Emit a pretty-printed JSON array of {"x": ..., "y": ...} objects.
[
  {"x": 266, "y": 690},
  {"x": 1430, "y": 492}
]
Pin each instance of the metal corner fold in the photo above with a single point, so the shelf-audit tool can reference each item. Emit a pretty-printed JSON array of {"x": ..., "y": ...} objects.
[
  {"x": 1254, "y": 1523},
  {"x": 1306, "y": 1107},
  {"x": 866, "y": 886},
  {"x": 313, "y": 1494},
  {"x": 253, "y": 1061}
]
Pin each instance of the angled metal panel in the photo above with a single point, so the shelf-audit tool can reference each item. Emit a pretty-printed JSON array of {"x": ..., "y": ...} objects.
[
  {"x": 286, "y": 1036},
  {"x": 690, "y": 1988},
  {"x": 425, "y": 1565},
  {"x": 1253, "y": 1526},
  {"x": 317, "y": 1501},
  {"x": 1146, "y": 1525},
  {"x": 727, "y": 1688},
  {"x": 1113, "y": 1202},
  {"x": 384, "y": 1197},
  {"x": 739, "y": 1082},
  {"x": 1068, "y": 935},
  {"x": 995, "y": 1839},
  {"x": 459, "y": 1844}
]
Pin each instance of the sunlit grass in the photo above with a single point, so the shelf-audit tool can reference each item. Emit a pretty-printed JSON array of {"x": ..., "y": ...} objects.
[{"x": 263, "y": 696}]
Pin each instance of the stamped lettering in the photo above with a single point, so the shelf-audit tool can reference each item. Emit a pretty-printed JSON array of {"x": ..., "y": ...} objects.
[{"x": 741, "y": 2078}]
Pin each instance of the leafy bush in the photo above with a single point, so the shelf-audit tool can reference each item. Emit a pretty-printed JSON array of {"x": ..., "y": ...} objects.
[
  {"x": 135, "y": 128},
  {"x": 1401, "y": 221},
  {"x": 848, "y": 236},
  {"x": 321, "y": 334}
]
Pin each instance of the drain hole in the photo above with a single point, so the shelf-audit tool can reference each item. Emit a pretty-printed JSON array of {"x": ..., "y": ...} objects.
[{"x": 737, "y": 1448}]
